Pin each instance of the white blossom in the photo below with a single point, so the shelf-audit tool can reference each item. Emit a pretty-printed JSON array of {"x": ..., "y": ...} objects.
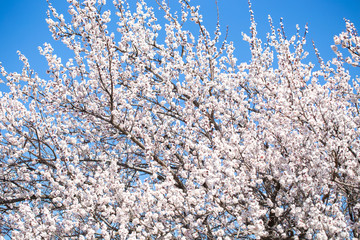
[{"x": 154, "y": 132}]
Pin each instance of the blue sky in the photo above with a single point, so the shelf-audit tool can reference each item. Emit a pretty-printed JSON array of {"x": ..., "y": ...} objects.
[{"x": 23, "y": 27}]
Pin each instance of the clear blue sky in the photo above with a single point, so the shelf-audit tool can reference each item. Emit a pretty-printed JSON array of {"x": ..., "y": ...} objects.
[{"x": 23, "y": 27}]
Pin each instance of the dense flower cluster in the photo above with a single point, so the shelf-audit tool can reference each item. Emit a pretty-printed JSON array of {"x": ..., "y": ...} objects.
[{"x": 152, "y": 132}]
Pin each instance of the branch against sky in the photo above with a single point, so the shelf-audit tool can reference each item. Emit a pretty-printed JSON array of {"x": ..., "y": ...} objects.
[{"x": 157, "y": 131}]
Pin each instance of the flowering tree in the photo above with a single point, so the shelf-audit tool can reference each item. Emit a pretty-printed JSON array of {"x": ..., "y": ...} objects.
[{"x": 153, "y": 132}]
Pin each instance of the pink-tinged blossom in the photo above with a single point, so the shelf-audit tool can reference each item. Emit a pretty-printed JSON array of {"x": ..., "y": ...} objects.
[{"x": 154, "y": 132}]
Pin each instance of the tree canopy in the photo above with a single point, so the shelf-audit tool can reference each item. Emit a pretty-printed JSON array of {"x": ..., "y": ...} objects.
[{"x": 156, "y": 131}]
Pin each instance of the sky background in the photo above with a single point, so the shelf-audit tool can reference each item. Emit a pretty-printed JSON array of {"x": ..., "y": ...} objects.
[{"x": 23, "y": 26}]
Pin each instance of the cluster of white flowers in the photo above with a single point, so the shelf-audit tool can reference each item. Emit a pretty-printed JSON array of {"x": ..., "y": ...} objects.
[
  {"x": 152, "y": 132},
  {"x": 349, "y": 40}
]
